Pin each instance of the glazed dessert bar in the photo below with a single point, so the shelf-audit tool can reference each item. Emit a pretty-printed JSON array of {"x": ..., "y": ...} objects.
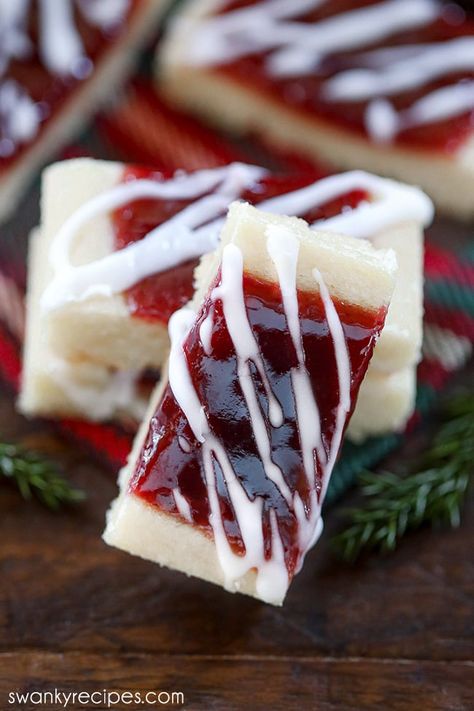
[
  {"x": 114, "y": 257},
  {"x": 280, "y": 334},
  {"x": 384, "y": 85},
  {"x": 57, "y": 60},
  {"x": 112, "y": 260}
]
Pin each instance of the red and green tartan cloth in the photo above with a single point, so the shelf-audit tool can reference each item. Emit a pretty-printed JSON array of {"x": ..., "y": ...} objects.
[{"x": 141, "y": 129}]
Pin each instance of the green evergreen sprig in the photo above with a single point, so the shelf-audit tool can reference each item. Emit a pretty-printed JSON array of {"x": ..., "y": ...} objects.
[
  {"x": 35, "y": 476},
  {"x": 434, "y": 493}
]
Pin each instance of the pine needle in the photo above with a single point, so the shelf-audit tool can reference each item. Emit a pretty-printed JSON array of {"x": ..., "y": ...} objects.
[
  {"x": 433, "y": 494},
  {"x": 36, "y": 477}
]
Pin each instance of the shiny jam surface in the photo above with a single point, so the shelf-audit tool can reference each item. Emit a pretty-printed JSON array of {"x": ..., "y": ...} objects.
[
  {"x": 51, "y": 92},
  {"x": 164, "y": 464},
  {"x": 304, "y": 93},
  {"x": 158, "y": 296}
]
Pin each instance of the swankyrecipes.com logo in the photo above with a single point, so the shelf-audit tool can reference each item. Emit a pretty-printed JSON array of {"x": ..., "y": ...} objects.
[{"x": 104, "y": 698}]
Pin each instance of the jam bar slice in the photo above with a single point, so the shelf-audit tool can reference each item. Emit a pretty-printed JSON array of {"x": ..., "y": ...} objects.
[
  {"x": 384, "y": 85},
  {"x": 230, "y": 468},
  {"x": 58, "y": 60}
]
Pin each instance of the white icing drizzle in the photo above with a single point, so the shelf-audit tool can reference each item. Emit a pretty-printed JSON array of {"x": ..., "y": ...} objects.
[
  {"x": 230, "y": 292},
  {"x": 205, "y": 332},
  {"x": 272, "y": 577},
  {"x": 171, "y": 243},
  {"x": 184, "y": 444},
  {"x": 60, "y": 50},
  {"x": 239, "y": 327},
  {"x": 182, "y": 505},
  {"x": 343, "y": 374},
  {"x": 283, "y": 248},
  {"x": 19, "y": 117},
  {"x": 180, "y": 381},
  {"x": 309, "y": 44},
  {"x": 14, "y": 40},
  {"x": 263, "y": 26},
  {"x": 414, "y": 68},
  {"x": 296, "y": 49},
  {"x": 271, "y": 574},
  {"x": 103, "y": 13},
  {"x": 60, "y": 44},
  {"x": 391, "y": 203},
  {"x": 383, "y": 122},
  {"x": 186, "y": 236}
]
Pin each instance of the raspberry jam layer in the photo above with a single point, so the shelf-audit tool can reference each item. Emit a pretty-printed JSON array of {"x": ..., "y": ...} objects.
[
  {"x": 158, "y": 296},
  {"x": 304, "y": 95},
  {"x": 171, "y": 457},
  {"x": 50, "y": 92}
]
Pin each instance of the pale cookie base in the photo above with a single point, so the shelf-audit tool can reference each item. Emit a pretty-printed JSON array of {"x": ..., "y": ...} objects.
[
  {"x": 98, "y": 329},
  {"x": 448, "y": 179},
  {"x": 137, "y": 528},
  {"x": 53, "y": 386},
  {"x": 353, "y": 270},
  {"x": 143, "y": 530},
  {"x": 384, "y": 405},
  {"x": 112, "y": 70},
  {"x": 399, "y": 346}
]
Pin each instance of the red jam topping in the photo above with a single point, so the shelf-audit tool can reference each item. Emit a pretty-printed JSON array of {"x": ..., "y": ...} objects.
[
  {"x": 51, "y": 92},
  {"x": 158, "y": 296},
  {"x": 303, "y": 93},
  {"x": 165, "y": 463}
]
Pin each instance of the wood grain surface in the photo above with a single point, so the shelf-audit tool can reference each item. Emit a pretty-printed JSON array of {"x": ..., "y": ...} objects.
[{"x": 389, "y": 633}]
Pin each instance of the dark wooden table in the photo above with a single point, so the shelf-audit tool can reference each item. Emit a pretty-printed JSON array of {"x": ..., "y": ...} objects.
[{"x": 390, "y": 633}]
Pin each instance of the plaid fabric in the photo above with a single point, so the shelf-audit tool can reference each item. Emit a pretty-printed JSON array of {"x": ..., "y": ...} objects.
[{"x": 141, "y": 129}]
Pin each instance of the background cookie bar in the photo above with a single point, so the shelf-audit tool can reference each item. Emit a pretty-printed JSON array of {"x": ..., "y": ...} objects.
[
  {"x": 385, "y": 86},
  {"x": 98, "y": 307},
  {"x": 58, "y": 60}
]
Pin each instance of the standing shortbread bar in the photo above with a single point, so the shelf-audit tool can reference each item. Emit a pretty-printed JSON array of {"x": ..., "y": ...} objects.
[{"x": 229, "y": 471}]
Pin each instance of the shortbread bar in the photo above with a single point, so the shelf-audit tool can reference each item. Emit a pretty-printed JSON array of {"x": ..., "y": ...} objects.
[
  {"x": 58, "y": 61},
  {"x": 230, "y": 468},
  {"x": 384, "y": 85}
]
